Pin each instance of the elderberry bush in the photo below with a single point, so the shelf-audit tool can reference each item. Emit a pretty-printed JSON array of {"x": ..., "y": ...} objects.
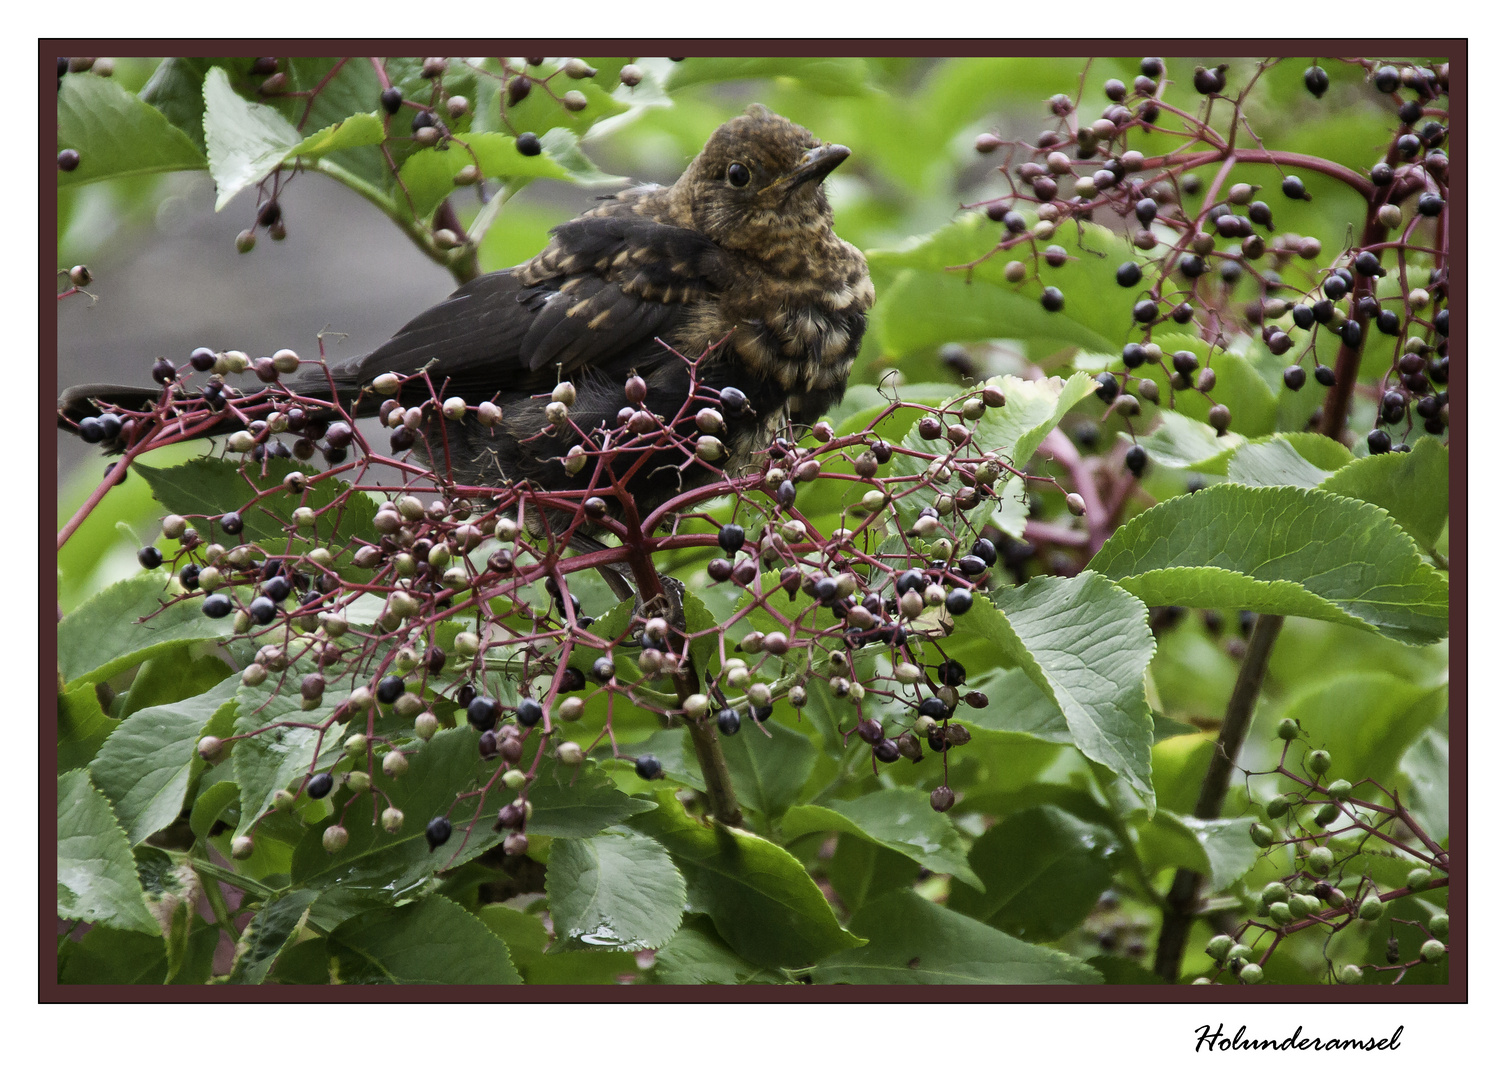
[{"x": 1165, "y": 400}]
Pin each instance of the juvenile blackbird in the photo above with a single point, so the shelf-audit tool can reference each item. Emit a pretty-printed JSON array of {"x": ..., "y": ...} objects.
[{"x": 739, "y": 254}]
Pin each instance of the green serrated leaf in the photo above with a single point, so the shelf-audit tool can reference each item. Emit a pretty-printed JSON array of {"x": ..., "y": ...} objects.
[
  {"x": 696, "y": 956},
  {"x": 576, "y": 802},
  {"x": 1425, "y": 767},
  {"x": 915, "y": 942},
  {"x": 1413, "y": 488},
  {"x": 761, "y": 899},
  {"x": 1041, "y": 872},
  {"x": 900, "y": 819},
  {"x": 768, "y": 771},
  {"x": 116, "y": 134},
  {"x": 1287, "y": 551},
  {"x": 1220, "y": 849},
  {"x": 82, "y": 727},
  {"x": 245, "y": 140},
  {"x": 362, "y": 129},
  {"x": 97, "y": 880},
  {"x": 616, "y": 890},
  {"x": 210, "y": 804},
  {"x": 1085, "y": 644},
  {"x": 434, "y": 942},
  {"x": 143, "y": 767},
  {"x": 1277, "y": 462},
  {"x": 1180, "y": 442},
  {"x": 265, "y": 936},
  {"x": 123, "y": 625},
  {"x": 428, "y": 174}
]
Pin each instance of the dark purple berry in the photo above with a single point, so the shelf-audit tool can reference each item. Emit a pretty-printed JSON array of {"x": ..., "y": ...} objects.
[
  {"x": 1128, "y": 275},
  {"x": 149, "y": 557},
  {"x": 648, "y": 767},
  {"x": 216, "y": 607},
  {"x": 320, "y": 785},
  {"x": 1293, "y": 188},
  {"x": 886, "y": 751},
  {"x": 1053, "y": 301},
  {"x": 232, "y": 523},
  {"x": 729, "y": 721},
  {"x": 1294, "y": 377},
  {"x": 438, "y": 832},
  {"x": 481, "y": 712},
  {"x": 530, "y": 712},
  {"x": 529, "y": 145},
  {"x": 1316, "y": 80},
  {"x": 1135, "y": 459},
  {"x": 1378, "y": 441},
  {"x": 390, "y": 688}
]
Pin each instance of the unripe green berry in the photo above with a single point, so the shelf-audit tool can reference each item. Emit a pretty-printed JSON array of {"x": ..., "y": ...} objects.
[
  {"x": 1339, "y": 789},
  {"x": 392, "y": 819},
  {"x": 355, "y": 746},
  {"x": 1251, "y": 974},
  {"x": 425, "y": 725},
  {"x": 1438, "y": 926},
  {"x": 1351, "y": 975},
  {"x": 1371, "y": 908},
  {"x": 242, "y": 847},
  {"x": 283, "y": 799},
  {"x": 1433, "y": 951},
  {"x": 360, "y": 699},
  {"x": 573, "y": 708},
  {"x": 394, "y": 763},
  {"x": 359, "y": 782},
  {"x": 1261, "y": 834},
  {"x": 1288, "y": 729},
  {"x": 506, "y": 530},
  {"x": 760, "y": 694},
  {"x": 1281, "y": 914},
  {"x": 1277, "y": 808},
  {"x": 210, "y": 746},
  {"x": 1419, "y": 877},
  {"x": 514, "y": 778},
  {"x": 570, "y": 753},
  {"x": 1318, "y": 762},
  {"x": 1320, "y": 860},
  {"x": 1240, "y": 953},
  {"x": 1275, "y": 892},
  {"x": 467, "y": 644},
  {"x": 1219, "y": 947},
  {"x": 335, "y": 838},
  {"x": 1327, "y": 814}
]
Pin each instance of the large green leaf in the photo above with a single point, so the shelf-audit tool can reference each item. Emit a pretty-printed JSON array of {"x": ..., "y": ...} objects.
[
  {"x": 1042, "y": 871},
  {"x": 914, "y": 942},
  {"x": 1285, "y": 550},
  {"x": 429, "y": 174},
  {"x": 1425, "y": 766},
  {"x": 97, "y": 879},
  {"x": 83, "y": 727},
  {"x": 435, "y": 942},
  {"x": 1365, "y": 720},
  {"x": 900, "y": 819},
  {"x": 1180, "y": 442},
  {"x": 576, "y": 802},
  {"x": 617, "y": 890},
  {"x": 123, "y": 625},
  {"x": 211, "y": 486},
  {"x": 1413, "y": 487},
  {"x": 761, "y": 899},
  {"x": 1085, "y": 644},
  {"x": 527, "y": 941},
  {"x": 378, "y": 866},
  {"x": 1032, "y": 409},
  {"x": 1220, "y": 849},
  {"x": 265, "y": 936},
  {"x": 245, "y": 139},
  {"x": 143, "y": 767},
  {"x": 696, "y": 956},
  {"x": 116, "y": 134},
  {"x": 768, "y": 771}
]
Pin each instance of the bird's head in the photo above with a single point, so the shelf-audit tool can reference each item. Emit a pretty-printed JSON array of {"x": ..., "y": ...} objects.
[{"x": 756, "y": 186}]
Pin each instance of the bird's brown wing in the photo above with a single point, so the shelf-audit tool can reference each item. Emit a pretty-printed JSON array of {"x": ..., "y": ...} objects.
[{"x": 596, "y": 298}]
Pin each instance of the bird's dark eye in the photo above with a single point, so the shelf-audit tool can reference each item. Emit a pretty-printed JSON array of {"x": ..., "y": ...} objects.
[{"x": 738, "y": 174}]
